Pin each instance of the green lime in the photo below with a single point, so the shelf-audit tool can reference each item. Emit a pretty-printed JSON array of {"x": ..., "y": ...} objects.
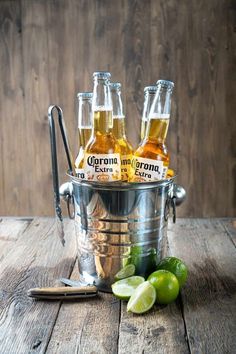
[
  {"x": 142, "y": 299},
  {"x": 145, "y": 261},
  {"x": 166, "y": 285},
  {"x": 124, "y": 288},
  {"x": 175, "y": 266},
  {"x": 125, "y": 272}
]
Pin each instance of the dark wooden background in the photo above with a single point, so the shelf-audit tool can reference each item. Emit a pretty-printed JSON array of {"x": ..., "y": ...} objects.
[{"x": 48, "y": 52}]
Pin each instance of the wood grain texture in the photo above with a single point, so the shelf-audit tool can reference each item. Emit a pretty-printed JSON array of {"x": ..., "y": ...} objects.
[
  {"x": 201, "y": 321},
  {"x": 37, "y": 259},
  {"x": 209, "y": 297},
  {"x": 13, "y": 182},
  {"x": 205, "y": 148},
  {"x": 10, "y": 231},
  {"x": 230, "y": 227},
  {"x": 161, "y": 330},
  {"x": 86, "y": 326},
  {"x": 48, "y": 58}
]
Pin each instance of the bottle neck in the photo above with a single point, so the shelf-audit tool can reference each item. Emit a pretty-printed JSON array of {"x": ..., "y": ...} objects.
[
  {"x": 117, "y": 114},
  {"x": 157, "y": 129},
  {"x": 148, "y": 100},
  {"x": 84, "y": 136},
  {"x": 84, "y": 120},
  {"x": 159, "y": 116},
  {"x": 102, "y": 106},
  {"x": 119, "y": 127},
  {"x": 101, "y": 95},
  {"x": 102, "y": 122}
]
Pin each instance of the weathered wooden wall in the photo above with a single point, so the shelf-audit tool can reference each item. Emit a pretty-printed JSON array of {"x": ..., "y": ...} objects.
[{"x": 48, "y": 52}]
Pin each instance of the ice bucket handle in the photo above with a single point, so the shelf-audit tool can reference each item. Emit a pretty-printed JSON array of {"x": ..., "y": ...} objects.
[
  {"x": 57, "y": 204},
  {"x": 179, "y": 195}
]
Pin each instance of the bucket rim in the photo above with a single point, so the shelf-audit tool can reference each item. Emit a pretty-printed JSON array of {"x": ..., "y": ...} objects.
[{"x": 123, "y": 186}]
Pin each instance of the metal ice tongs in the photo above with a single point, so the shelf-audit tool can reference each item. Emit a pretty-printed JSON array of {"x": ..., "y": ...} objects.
[{"x": 69, "y": 199}]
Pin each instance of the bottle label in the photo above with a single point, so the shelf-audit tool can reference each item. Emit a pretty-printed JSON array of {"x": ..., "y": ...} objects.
[
  {"x": 146, "y": 170},
  {"x": 164, "y": 172},
  {"x": 126, "y": 161},
  {"x": 102, "y": 167},
  {"x": 80, "y": 174}
]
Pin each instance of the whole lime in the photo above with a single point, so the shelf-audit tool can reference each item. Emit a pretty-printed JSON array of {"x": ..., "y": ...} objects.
[
  {"x": 166, "y": 285},
  {"x": 145, "y": 261},
  {"x": 175, "y": 266}
]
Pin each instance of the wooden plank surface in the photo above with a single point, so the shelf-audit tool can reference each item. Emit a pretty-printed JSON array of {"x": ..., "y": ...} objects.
[
  {"x": 209, "y": 298},
  {"x": 38, "y": 259},
  {"x": 201, "y": 321},
  {"x": 205, "y": 42},
  {"x": 10, "y": 230},
  {"x": 49, "y": 57},
  {"x": 230, "y": 227},
  {"x": 159, "y": 331},
  {"x": 13, "y": 186},
  {"x": 90, "y": 326},
  {"x": 37, "y": 99}
]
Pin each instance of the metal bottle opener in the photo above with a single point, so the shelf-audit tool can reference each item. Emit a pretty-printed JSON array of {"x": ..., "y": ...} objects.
[{"x": 63, "y": 293}]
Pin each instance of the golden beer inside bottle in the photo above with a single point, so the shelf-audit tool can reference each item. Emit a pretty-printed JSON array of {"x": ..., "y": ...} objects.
[
  {"x": 118, "y": 127},
  {"x": 153, "y": 146},
  {"x": 103, "y": 141},
  {"x": 126, "y": 149},
  {"x": 143, "y": 129},
  {"x": 158, "y": 129},
  {"x": 102, "y": 121},
  {"x": 84, "y": 135}
]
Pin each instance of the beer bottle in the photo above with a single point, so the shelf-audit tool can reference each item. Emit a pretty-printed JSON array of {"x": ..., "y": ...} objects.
[
  {"x": 149, "y": 94},
  {"x": 126, "y": 150},
  {"x": 151, "y": 159},
  {"x": 102, "y": 153},
  {"x": 84, "y": 129}
]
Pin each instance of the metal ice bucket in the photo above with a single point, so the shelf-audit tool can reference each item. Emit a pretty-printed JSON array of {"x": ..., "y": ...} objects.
[{"x": 116, "y": 223}]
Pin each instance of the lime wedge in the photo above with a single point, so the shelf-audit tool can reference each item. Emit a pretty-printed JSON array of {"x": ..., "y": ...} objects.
[
  {"x": 124, "y": 288},
  {"x": 142, "y": 299},
  {"x": 125, "y": 272}
]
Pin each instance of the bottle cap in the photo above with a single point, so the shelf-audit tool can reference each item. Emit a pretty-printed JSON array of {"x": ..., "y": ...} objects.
[
  {"x": 101, "y": 75},
  {"x": 166, "y": 84},
  {"x": 85, "y": 95},
  {"x": 150, "y": 89},
  {"x": 115, "y": 85}
]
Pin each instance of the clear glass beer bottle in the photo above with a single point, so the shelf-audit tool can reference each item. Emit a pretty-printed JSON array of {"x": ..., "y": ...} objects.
[
  {"x": 84, "y": 129},
  {"x": 126, "y": 150},
  {"x": 149, "y": 94},
  {"x": 151, "y": 159},
  {"x": 102, "y": 153}
]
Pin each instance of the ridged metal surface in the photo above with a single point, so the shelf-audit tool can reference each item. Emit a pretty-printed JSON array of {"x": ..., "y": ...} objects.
[{"x": 118, "y": 225}]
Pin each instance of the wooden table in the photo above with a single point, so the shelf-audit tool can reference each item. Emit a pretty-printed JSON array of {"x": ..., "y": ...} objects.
[{"x": 202, "y": 320}]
